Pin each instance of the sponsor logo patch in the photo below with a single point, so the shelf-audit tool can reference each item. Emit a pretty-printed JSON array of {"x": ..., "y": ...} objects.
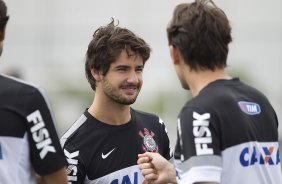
[
  {"x": 126, "y": 179},
  {"x": 249, "y": 108},
  {"x": 129, "y": 179},
  {"x": 265, "y": 155},
  {"x": 104, "y": 156}
]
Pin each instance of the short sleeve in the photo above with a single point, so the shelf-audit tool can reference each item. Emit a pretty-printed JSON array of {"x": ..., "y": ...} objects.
[
  {"x": 198, "y": 146},
  {"x": 46, "y": 153}
]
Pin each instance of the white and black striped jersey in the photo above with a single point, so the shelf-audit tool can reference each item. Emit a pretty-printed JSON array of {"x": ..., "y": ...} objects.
[
  {"x": 228, "y": 134},
  {"x": 28, "y": 139},
  {"x": 101, "y": 153}
]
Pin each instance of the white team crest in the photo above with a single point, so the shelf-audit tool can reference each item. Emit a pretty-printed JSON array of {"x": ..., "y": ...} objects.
[{"x": 149, "y": 144}]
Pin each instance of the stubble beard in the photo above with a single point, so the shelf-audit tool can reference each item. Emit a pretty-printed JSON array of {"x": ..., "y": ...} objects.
[{"x": 115, "y": 95}]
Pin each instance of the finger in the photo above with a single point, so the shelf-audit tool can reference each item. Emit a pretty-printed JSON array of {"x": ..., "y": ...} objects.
[
  {"x": 146, "y": 154},
  {"x": 151, "y": 177},
  {"x": 142, "y": 155},
  {"x": 145, "y": 172},
  {"x": 142, "y": 160},
  {"x": 146, "y": 166}
]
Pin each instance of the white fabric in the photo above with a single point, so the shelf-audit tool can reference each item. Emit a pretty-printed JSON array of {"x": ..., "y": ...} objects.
[
  {"x": 120, "y": 176},
  {"x": 14, "y": 167}
]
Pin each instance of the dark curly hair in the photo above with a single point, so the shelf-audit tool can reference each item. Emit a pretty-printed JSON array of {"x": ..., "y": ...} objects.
[
  {"x": 201, "y": 32},
  {"x": 3, "y": 15},
  {"x": 107, "y": 44}
]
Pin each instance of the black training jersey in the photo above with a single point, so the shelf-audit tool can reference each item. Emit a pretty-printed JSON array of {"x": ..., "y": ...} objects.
[
  {"x": 228, "y": 134},
  {"x": 28, "y": 139},
  {"x": 103, "y": 153}
]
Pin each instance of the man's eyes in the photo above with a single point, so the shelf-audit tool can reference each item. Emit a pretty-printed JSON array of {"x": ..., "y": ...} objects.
[
  {"x": 139, "y": 69},
  {"x": 126, "y": 69}
]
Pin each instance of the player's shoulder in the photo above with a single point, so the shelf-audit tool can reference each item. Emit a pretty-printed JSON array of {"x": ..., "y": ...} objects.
[
  {"x": 222, "y": 94},
  {"x": 13, "y": 84},
  {"x": 74, "y": 132},
  {"x": 146, "y": 117},
  {"x": 219, "y": 93}
]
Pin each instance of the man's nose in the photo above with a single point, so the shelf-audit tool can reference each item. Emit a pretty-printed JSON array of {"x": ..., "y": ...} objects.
[{"x": 133, "y": 77}]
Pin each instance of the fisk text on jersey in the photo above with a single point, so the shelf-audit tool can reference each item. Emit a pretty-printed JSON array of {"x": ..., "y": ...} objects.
[{"x": 40, "y": 134}]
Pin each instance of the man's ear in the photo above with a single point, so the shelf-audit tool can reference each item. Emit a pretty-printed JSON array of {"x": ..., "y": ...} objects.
[
  {"x": 96, "y": 74},
  {"x": 174, "y": 54}
]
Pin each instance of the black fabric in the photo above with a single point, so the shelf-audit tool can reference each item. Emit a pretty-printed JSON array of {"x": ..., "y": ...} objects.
[
  {"x": 18, "y": 101},
  {"x": 228, "y": 124},
  {"x": 94, "y": 138}
]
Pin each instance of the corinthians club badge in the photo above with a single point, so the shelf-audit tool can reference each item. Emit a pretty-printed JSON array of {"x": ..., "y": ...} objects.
[{"x": 149, "y": 144}]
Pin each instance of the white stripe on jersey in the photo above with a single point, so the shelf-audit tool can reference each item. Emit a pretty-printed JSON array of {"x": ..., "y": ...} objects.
[
  {"x": 72, "y": 129},
  {"x": 180, "y": 138},
  {"x": 255, "y": 162}
]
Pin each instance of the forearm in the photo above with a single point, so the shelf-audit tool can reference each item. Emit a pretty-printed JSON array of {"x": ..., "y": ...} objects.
[
  {"x": 59, "y": 177},
  {"x": 171, "y": 174}
]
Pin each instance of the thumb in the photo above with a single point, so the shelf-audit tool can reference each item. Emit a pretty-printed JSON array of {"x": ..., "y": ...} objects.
[
  {"x": 142, "y": 155},
  {"x": 146, "y": 154},
  {"x": 150, "y": 155}
]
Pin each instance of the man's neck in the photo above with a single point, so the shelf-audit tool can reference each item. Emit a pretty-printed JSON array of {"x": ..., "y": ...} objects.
[
  {"x": 200, "y": 79},
  {"x": 109, "y": 112}
]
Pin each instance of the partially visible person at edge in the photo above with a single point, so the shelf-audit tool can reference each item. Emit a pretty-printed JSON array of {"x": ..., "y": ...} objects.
[
  {"x": 228, "y": 132},
  {"x": 28, "y": 139},
  {"x": 102, "y": 146}
]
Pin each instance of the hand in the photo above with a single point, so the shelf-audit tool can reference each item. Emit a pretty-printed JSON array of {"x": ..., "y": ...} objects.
[{"x": 156, "y": 168}]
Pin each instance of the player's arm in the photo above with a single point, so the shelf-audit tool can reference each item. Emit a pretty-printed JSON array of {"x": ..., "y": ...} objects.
[
  {"x": 58, "y": 177},
  {"x": 47, "y": 156},
  {"x": 156, "y": 168}
]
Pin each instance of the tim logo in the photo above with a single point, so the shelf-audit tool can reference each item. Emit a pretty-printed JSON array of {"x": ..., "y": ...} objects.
[
  {"x": 249, "y": 108},
  {"x": 1, "y": 155},
  {"x": 263, "y": 156}
]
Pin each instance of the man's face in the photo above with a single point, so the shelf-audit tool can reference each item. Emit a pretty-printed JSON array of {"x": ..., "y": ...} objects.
[
  {"x": 181, "y": 78},
  {"x": 123, "y": 81},
  {"x": 179, "y": 65}
]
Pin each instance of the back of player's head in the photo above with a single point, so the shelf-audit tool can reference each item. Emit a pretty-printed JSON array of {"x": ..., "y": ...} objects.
[
  {"x": 3, "y": 15},
  {"x": 201, "y": 32},
  {"x": 107, "y": 44}
]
